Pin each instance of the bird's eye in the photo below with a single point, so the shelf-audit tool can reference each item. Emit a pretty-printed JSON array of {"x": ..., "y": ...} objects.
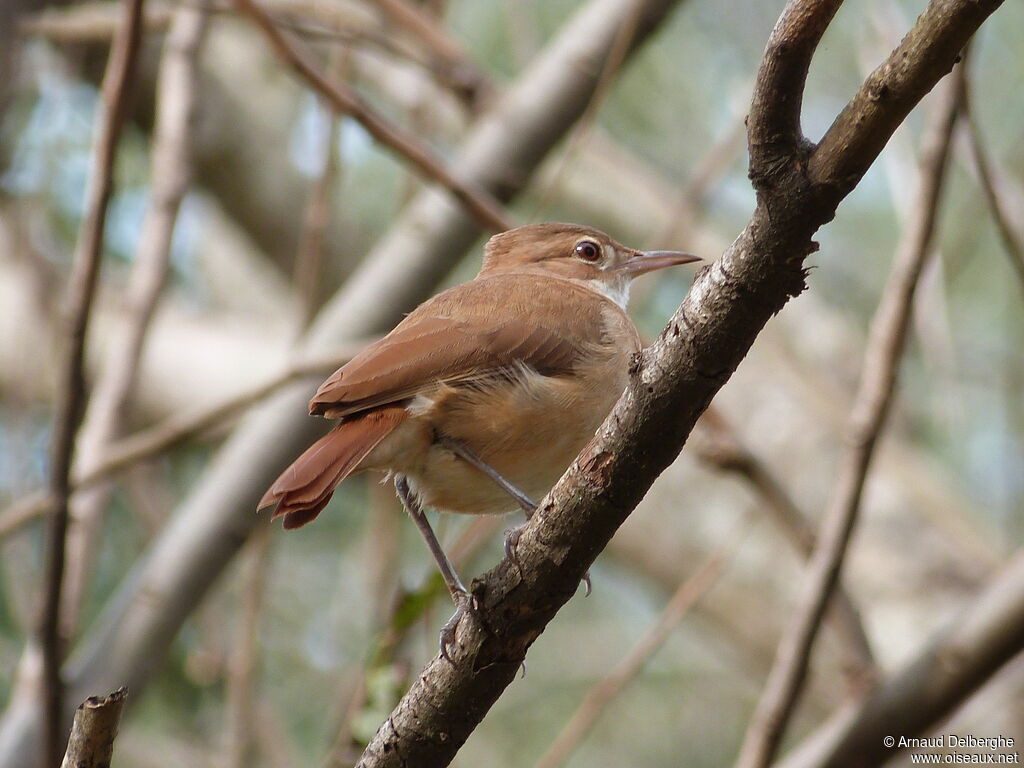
[{"x": 588, "y": 250}]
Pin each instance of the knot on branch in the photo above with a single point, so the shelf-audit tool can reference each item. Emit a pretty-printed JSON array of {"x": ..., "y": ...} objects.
[
  {"x": 778, "y": 166},
  {"x": 596, "y": 467}
]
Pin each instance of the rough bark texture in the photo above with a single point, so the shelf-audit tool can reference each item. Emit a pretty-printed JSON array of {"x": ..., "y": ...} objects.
[{"x": 673, "y": 381}]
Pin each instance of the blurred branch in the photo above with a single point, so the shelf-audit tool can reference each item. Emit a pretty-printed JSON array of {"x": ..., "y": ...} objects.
[
  {"x": 673, "y": 380},
  {"x": 481, "y": 204},
  {"x": 92, "y": 735},
  {"x": 987, "y": 172},
  {"x": 956, "y": 662},
  {"x": 401, "y": 614},
  {"x": 500, "y": 152},
  {"x": 87, "y": 22},
  {"x": 174, "y": 430},
  {"x": 105, "y": 419},
  {"x": 605, "y": 690},
  {"x": 309, "y": 259},
  {"x": 457, "y": 66},
  {"x": 94, "y": 22},
  {"x": 720, "y": 445},
  {"x": 584, "y": 126},
  {"x": 71, "y": 395},
  {"x": 241, "y": 694},
  {"x": 871, "y": 406}
]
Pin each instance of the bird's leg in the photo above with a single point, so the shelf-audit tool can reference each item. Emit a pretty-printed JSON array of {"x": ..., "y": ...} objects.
[
  {"x": 528, "y": 506},
  {"x": 464, "y": 601},
  {"x": 525, "y": 502}
]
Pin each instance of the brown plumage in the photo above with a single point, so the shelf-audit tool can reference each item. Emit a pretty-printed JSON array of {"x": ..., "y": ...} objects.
[{"x": 520, "y": 365}]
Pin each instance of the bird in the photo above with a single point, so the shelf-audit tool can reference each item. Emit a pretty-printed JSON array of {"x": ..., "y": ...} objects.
[{"x": 480, "y": 398}]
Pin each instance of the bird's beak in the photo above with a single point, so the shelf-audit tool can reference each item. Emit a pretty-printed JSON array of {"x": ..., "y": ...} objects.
[{"x": 648, "y": 261}]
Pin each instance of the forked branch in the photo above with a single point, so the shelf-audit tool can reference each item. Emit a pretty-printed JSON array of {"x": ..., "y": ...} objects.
[
  {"x": 871, "y": 405},
  {"x": 671, "y": 385}
]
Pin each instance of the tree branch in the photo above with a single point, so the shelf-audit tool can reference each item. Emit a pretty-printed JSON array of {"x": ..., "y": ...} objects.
[
  {"x": 458, "y": 68},
  {"x": 1013, "y": 243},
  {"x": 92, "y": 735},
  {"x": 871, "y": 406},
  {"x": 105, "y": 418},
  {"x": 926, "y": 53},
  {"x": 956, "y": 662},
  {"x": 773, "y": 132},
  {"x": 481, "y": 204},
  {"x": 671, "y": 384},
  {"x": 71, "y": 388}
]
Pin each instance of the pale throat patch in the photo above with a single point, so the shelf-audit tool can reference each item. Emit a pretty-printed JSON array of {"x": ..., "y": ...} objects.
[{"x": 617, "y": 290}]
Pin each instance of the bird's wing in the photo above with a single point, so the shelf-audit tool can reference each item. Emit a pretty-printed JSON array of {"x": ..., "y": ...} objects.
[{"x": 469, "y": 332}]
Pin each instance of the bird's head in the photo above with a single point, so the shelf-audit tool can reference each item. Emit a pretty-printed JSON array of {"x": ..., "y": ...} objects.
[{"x": 581, "y": 254}]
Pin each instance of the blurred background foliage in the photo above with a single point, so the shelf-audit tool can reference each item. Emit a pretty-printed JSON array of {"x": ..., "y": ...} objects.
[{"x": 943, "y": 507}]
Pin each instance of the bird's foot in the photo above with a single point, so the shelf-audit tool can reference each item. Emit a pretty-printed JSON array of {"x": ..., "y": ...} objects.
[
  {"x": 464, "y": 603},
  {"x": 512, "y": 544}
]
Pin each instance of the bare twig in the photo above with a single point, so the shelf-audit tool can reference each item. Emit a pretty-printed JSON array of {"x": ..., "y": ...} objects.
[
  {"x": 1012, "y": 241},
  {"x": 71, "y": 389},
  {"x": 309, "y": 258},
  {"x": 583, "y": 128},
  {"x": 92, "y": 21},
  {"x": 722, "y": 447},
  {"x": 92, "y": 735},
  {"x": 956, "y": 661},
  {"x": 174, "y": 430},
  {"x": 488, "y": 212},
  {"x": 871, "y": 406},
  {"x": 601, "y": 693},
  {"x": 241, "y": 698},
  {"x": 457, "y": 66},
  {"x": 176, "y": 93}
]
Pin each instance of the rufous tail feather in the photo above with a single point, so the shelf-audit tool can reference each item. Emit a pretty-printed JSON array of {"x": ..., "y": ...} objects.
[{"x": 304, "y": 489}]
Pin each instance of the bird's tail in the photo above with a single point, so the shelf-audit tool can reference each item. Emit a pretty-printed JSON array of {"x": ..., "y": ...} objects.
[{"x": 304, "y": 489}]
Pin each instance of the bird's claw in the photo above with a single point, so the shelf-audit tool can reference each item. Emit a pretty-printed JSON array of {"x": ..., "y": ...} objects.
[
  {"x": 464, "y": 603},
  {"x": 587, "y": 584},
  {"x": 512, "y": 544}
]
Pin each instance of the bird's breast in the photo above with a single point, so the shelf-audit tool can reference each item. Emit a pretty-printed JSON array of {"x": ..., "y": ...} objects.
[{"x": 526, "y": 424}]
